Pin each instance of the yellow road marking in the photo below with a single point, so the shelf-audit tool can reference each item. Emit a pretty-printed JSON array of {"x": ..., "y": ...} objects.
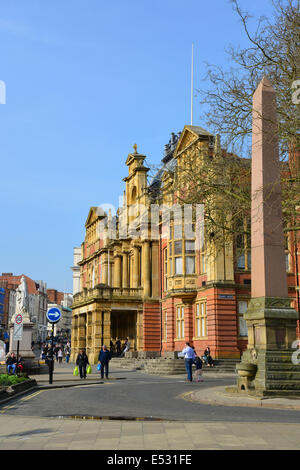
[
  {"x": 32, "y": 395},
  {"x": 8, "y": 407},
  {"x": 94, "y": 385},
  {"x": 5, "y": 408}
]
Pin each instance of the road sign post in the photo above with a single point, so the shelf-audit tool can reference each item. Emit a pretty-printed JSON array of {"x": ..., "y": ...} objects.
[
  {"x": 53, "y": 316},
  {"x": 18, "y": 333}
]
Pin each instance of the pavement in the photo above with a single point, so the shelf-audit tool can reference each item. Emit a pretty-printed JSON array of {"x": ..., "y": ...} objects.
[
  {"x": 218, "y": 396},
  {"x": 63, "y": 377},
  {"x": 35, "y": 432}
]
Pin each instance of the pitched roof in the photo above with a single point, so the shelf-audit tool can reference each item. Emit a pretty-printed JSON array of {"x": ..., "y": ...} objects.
[
  {"x": 16, "y": 281},
  {"x": 198, "y": 130}
]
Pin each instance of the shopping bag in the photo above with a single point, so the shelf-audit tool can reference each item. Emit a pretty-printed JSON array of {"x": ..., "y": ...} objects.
[
  {"x": 89, "y": 369},
  {"x": 99, "y": 367},
  {"x": 75, "y": 371}
]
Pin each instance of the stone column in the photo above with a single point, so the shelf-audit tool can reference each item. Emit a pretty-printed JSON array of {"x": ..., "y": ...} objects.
[
  {"x": 155, "y": 274},
  {"x": 117, "y": 272},
  {"x": 105, "y": 269},
  {"x": 74, "y": 337},
  {"x": 89, "y": 333},
  {"x": 110, "y": 272},
  {"x": 135, "y": 277},
  {"x": 146, "y": 278},
  {"x": 96, "y": 336},
  {"x": 125, "y": 270},
  {"x": 139, "y": 331},
  {"x": 106, "y": 328},
  {"x": 82, "y": 331}
]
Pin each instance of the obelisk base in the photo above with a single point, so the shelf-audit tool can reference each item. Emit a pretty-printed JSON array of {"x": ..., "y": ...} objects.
[
  {"x": 30, "y": 360},
  {"x": 267, "y": 368}
]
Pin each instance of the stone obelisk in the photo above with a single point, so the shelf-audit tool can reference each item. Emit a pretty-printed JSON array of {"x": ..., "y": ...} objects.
[{"x": 266, "y": 367}]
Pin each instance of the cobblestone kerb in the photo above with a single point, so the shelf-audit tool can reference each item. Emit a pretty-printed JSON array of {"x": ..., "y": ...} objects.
[
  {"x": 218, "y": 396},
  {"x": 18, "y": 389}
]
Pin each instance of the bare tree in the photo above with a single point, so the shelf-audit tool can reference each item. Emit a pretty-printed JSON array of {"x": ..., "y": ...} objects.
[
  {"x": 221, "y": 179},
  {"x": 274, "y": 51}
]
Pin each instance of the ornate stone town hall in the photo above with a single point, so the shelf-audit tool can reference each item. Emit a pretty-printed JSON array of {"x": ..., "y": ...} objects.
[{"x": 161, "y": 291}]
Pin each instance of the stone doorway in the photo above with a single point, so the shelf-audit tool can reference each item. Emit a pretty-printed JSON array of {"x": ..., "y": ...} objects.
[{"x": 122, "y": 325}]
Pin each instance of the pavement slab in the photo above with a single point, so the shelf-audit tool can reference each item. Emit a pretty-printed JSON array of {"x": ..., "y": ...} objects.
[{"x": 195, "y": 436}]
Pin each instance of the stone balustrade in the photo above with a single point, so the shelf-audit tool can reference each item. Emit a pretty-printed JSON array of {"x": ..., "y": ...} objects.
[{"x": 107, "y": 293}]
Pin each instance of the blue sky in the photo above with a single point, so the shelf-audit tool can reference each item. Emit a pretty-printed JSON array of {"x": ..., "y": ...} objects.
[{"x": 84, "y": 82}]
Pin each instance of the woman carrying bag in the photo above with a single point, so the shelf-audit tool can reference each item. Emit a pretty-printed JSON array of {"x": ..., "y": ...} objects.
[{"x": 82, "y": 361}]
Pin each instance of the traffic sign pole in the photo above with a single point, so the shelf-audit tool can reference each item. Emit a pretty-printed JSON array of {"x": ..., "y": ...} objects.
[
  {"x": 18, "y": 321},
  {"x": 53, "y": 316},
  {"x": 18, "y": 346},
  {"x": 51, "y": 365}
]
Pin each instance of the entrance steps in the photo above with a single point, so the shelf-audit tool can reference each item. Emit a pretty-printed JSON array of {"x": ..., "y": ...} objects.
[{"x": 164, "y": 366}]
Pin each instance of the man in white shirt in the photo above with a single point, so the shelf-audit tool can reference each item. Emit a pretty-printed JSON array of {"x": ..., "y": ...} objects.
[{"x": 189, "y": 357}]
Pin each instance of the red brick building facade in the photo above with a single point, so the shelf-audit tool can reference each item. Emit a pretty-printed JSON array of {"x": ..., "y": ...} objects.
[{"x": 154, "y": 284}]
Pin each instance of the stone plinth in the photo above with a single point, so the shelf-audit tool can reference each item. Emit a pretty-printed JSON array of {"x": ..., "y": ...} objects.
[
  {"x": 25, "y": 343},
  {"x": 271, "y": 332}
]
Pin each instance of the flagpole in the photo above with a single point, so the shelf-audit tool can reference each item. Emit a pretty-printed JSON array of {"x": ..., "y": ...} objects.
[{"x": 192, "y": 84}]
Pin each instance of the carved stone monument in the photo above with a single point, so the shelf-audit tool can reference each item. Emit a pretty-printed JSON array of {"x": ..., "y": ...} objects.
[
  {"x": 267, "y": 367},
  {"x": 22, "y": 307}
]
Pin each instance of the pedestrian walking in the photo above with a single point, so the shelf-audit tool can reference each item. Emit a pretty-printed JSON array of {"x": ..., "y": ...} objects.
[
  {"x": 49, "y": 360},
  {"x": 60, "y": 355},
  {"x": 43, "y": 351},
  {"x": 103, "y": 359},
  {"x": 189, "y": 357},
  {"x": 82, "y": 361},
  {"x": 67, "y": 353},
  {"x": 55, "y": 350}
]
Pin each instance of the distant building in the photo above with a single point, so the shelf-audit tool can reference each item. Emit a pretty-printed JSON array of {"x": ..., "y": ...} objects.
[
  {"x": 63, "y": 302},
  {"x": 54, "y": 296},
  {"x": 76, "y": 270},
  {"x": 37, "y": 291}
]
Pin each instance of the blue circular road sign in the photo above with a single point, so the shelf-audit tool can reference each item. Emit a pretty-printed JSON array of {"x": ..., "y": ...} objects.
[{"x": 53, "y": 315}]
